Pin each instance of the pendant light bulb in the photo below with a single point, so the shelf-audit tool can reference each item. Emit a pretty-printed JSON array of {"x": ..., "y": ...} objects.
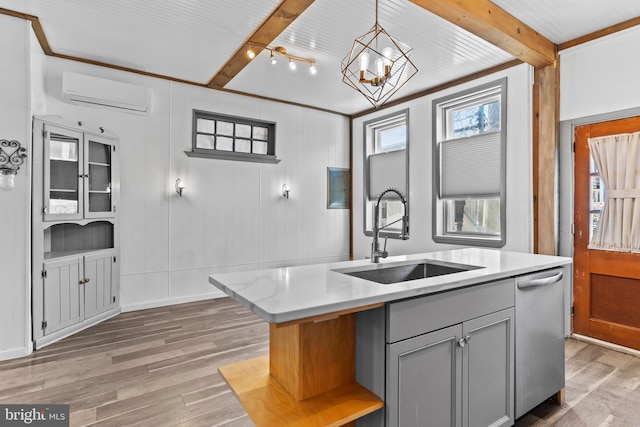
[
  {"x": 312, "y": 69},
  {"x": 273, "y": 59},
  {"x": 380, "y": 68},
  {"x": 292, "y": 65},
  {"x": 251, "y": 54},
  {"x": 387, "y": 54},
  {"x": 363, "y": 59}
]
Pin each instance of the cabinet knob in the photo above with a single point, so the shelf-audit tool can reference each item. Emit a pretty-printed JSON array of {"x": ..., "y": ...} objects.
[
  {"x": 464, "y": 341},
  {"x": 85, "y": 280}
]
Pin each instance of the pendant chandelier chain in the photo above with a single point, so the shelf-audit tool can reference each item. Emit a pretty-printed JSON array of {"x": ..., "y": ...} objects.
[
  {"x": 377, "y": 25},
  {"x": 376, "y": 13}
]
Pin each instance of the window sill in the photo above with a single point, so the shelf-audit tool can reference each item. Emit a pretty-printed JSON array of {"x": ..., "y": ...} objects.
[
  {"x": 470, "y": 241},
  {"x": 240, "y": 157}
]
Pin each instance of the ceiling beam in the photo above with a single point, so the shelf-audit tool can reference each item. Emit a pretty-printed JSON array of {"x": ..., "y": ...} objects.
[
  {"x": 495, "y": 25},
  {"x": 283, "y": 15}
]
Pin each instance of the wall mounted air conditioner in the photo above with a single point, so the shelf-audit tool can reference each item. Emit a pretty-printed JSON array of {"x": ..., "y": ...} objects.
[{"x": 102, "y": 93}]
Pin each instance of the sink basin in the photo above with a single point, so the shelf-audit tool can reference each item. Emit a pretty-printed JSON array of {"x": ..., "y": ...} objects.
[{"x": 405, "y": 271}]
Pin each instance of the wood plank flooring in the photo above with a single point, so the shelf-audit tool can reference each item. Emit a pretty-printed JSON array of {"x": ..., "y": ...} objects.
[
  {"x": 159, "y": 367},
  {"x": 602, "y": 390}
]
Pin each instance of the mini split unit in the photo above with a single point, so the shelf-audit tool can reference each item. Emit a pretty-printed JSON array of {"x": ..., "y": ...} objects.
[{"x": 102, "y": 93}]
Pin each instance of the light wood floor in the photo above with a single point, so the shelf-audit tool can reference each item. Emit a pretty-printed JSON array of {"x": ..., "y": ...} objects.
[{"x": 159, "y": 368}]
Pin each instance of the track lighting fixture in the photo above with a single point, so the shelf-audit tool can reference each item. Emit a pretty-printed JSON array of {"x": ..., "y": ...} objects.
[{"x": 274, "y": 52}]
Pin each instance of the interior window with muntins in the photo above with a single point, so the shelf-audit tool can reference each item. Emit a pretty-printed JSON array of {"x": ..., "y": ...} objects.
[{"x": 233, "y": 138}]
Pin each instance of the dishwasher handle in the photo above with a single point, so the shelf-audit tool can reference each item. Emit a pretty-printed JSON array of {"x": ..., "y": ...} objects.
[{"x": 540, "y": 282}]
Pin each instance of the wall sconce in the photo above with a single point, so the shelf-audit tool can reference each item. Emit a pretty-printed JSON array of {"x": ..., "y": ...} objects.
[
  {"x": 179, "y": 186},
  {"x": 12, "y": 156},
  {"x": 285, "y": 190}
]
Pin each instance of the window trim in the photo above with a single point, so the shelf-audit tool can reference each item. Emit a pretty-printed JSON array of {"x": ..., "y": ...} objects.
[
  {"x": 384, "y": 123},
  {"x": 270, "y": 157},
  {"x": 439, "y": 112}
]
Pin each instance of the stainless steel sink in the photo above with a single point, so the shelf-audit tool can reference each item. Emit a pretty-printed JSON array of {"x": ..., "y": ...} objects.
[{"x": 404, "y": 271}]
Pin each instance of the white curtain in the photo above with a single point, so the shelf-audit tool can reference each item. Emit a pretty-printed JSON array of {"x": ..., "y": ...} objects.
[{"x": 617, "y": 158}]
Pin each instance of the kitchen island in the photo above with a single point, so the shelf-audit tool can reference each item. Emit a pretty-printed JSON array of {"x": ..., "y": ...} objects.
[{"x": 309, "y": 376}]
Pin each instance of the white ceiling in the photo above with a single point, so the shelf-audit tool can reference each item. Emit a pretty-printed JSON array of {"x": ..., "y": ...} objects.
[{"x": 192, "y": 39}]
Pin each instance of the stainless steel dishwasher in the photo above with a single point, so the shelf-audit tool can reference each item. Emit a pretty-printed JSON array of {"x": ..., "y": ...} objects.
[{"x": 539, "y": 338}]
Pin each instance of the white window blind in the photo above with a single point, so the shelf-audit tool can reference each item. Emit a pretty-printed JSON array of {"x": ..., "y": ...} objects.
[
  {"x": 387, "y": 170},
  {"x": 470, "y": 167}
]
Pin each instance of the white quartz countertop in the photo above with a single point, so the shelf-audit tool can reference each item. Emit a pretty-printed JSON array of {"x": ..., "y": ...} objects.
[{"x": 290, "y": 293}]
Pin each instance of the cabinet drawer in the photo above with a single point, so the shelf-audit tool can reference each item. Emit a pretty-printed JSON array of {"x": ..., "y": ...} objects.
[{"x": 406, "y": 319}]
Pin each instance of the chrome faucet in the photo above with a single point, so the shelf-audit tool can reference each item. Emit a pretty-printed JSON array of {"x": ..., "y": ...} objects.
[{"x": 376, "y": 253}]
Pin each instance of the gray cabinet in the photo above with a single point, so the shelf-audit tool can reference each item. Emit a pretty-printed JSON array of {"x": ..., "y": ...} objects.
[
  {"x": 424, "y": 380},
  {"x": 460, "y": 371},
  {"x": 99, "y": 289},
  {"x": 488, "y": 367},
  {"x": 75, "y": 241},
  {"x": 78, "y": 174},
  {"x": 60, "y": 286},
  {"x": 76, "y": 288}
]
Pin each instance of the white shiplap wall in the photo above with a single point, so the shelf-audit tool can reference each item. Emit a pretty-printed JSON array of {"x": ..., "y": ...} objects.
[
  {"x": 15, "y": 226},
  {"x": 600, "y": 76},
  {"x": 232, "y": 215},
  {"x": 518, "y": 176}
]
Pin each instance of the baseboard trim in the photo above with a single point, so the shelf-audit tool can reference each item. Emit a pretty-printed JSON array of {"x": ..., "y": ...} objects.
[
  {"x": 605, "y": 344},
  {"x": 14, "y": 353},
  {"x": 171, "y": 301}
]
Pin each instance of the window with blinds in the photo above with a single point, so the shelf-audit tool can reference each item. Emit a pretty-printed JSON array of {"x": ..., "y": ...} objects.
[
  {"x": 469, "y": 166},
  {"x": 386, "y": 146}
]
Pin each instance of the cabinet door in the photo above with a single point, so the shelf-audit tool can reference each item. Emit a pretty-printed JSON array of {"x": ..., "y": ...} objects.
[
  {"x": 63, "y": 174},
  {"x": 99, "y": 286},
  {"x": 61, "y": 293},
  {"x": 99, "y": 169},
  {"x": 424, "y": 380},
  {"x": 488, "y": 363}
]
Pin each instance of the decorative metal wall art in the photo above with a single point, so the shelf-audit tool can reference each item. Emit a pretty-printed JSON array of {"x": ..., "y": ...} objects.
[{"x": 12, "y": 156}]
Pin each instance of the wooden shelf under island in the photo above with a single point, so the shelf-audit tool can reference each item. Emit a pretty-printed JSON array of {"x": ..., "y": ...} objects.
[{"x": 308, "y": 378}]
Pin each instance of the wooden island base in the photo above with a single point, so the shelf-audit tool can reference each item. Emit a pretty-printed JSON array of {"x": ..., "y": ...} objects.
[{"x": 308, "y": 378}]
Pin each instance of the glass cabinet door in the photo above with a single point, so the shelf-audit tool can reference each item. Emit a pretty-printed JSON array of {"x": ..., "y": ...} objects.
[
  {"x": 99, "y": 170},
  {"x": 63, "y": 185}
]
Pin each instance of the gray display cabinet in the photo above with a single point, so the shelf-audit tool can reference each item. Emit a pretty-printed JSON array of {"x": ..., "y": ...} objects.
[
  {"x": 75, "y": 241},
  {"x": 448, "y": 358}
]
